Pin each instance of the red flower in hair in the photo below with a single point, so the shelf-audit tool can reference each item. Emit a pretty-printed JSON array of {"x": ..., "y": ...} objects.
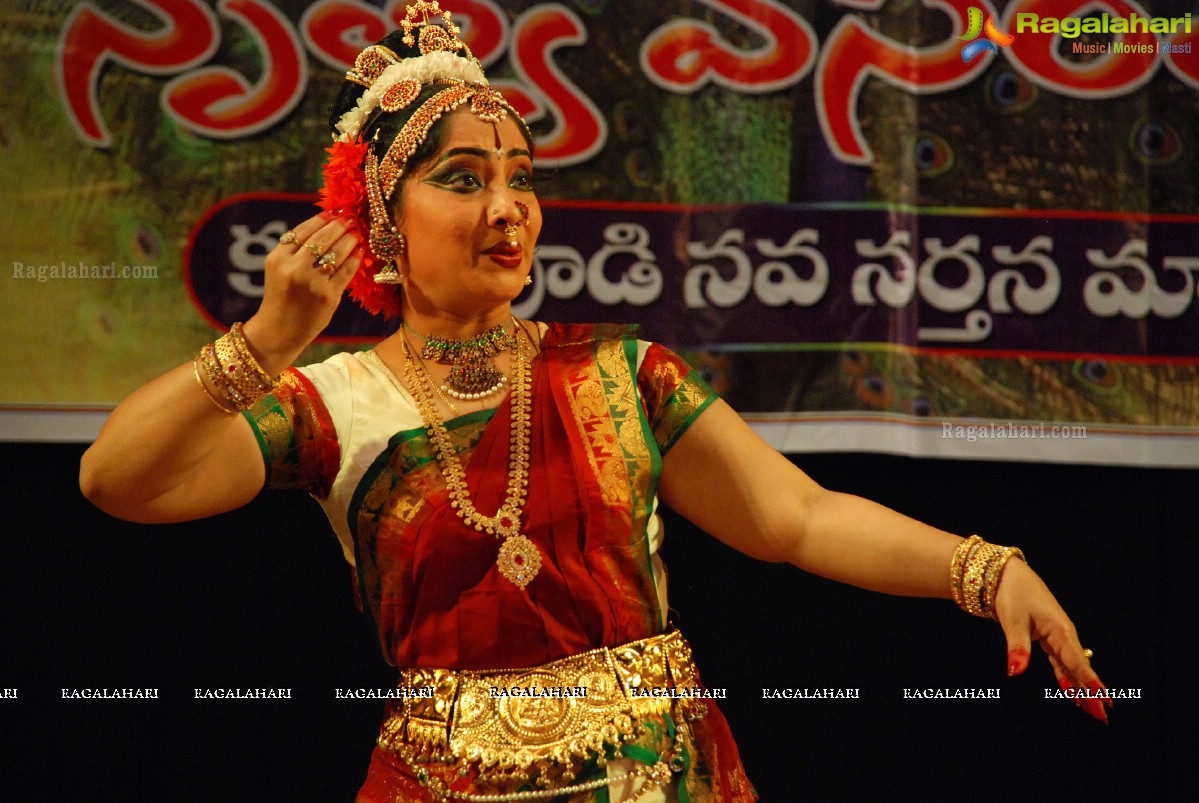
[
  {"x": 345, "y": 181},
  {"x": 345, "y": 193}
]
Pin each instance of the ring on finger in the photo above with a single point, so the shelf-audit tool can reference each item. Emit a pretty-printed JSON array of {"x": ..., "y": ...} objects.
[
  {"x": 288, "y": 237},
  {"x": 317, "y": 251},
  {"x": 327, "y": 261}
]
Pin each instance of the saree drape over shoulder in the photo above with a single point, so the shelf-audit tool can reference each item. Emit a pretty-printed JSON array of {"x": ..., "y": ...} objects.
[{"x": 606, "y": 407}]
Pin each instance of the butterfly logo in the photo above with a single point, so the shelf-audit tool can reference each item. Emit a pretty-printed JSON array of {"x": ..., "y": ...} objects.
[{"x": 992, "y": 40}]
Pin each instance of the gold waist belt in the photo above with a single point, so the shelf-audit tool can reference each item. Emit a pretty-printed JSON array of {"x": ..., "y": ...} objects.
[{"x": 514, "y": 720}]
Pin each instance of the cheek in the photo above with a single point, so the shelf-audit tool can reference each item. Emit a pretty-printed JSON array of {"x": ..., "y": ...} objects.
[
  {"x": 438, "y": 233},
  {"x": 535, "y": 221}
]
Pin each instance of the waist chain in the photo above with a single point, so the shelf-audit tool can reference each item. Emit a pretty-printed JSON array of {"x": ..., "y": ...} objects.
[{"x": 538, "y": 721}]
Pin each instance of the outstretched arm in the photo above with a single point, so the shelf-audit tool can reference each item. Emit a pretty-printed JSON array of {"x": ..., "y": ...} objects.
[{"x": 724, "y": 478}]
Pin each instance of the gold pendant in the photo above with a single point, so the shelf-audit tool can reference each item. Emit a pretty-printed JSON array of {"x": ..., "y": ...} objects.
[{"x": 519, "y": 560}]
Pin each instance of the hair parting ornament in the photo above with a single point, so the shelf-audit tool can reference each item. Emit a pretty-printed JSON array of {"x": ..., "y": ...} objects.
[{"x": 358, "y": 178}]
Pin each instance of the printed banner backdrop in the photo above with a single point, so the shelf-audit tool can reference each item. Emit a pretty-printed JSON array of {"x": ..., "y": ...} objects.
[{"x": 874, "y": 225}]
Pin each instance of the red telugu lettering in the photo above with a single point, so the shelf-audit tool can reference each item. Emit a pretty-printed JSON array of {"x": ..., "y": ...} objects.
[
  {"x": 336, "y": 31},
  {"x": 90, "y": 39},
  {"x": 683, "y": 55},
  {"x": 580, "y": 130},
  {"x": 854, "y": 51},
  {"x": 220, "y": 103}
]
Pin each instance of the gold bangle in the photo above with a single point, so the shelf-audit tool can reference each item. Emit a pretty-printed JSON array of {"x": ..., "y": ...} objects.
[
  {"x": 957, "y": 568},
  {"x": 207, "y": 391},
  {"x": 233, "y": 371},
  {"x": 211, "y": 363},
  {"x": 976, "y": 566},
  {"x": 993, "y": 575},
  {"x": 240, "y": 367},
  {"x": 242, "y": 345},
  {"x": 975, "y": 572}
]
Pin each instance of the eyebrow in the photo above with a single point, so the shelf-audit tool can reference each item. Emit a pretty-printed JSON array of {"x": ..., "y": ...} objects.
[{"x": 480, "y": 153}]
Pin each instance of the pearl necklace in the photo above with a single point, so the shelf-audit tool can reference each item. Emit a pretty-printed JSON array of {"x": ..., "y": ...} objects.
[
  {"x": 519, "y": 559},
  {"x": 473, "y": 375}
]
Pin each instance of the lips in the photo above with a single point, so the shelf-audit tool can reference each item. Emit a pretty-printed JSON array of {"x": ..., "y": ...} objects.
[{"x": 505, "y": 255}]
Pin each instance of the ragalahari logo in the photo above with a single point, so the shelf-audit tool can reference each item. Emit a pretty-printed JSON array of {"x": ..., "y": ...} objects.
[{"x": 992, "y": 40}]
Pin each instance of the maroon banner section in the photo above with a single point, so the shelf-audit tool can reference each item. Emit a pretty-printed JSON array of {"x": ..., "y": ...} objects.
[{"x": 776, "y": 276}]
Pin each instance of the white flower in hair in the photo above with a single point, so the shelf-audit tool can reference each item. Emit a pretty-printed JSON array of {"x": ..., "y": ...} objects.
[{"x": 438, "y": 66}]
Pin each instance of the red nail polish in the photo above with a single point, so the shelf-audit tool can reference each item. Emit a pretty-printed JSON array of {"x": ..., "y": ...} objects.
[
  {"x": 1094, "y": 707},
  {"x": 1069, "y": 690},
  {"x": 1017, "y": 661},
  {"x": 1096, "y": 687}
]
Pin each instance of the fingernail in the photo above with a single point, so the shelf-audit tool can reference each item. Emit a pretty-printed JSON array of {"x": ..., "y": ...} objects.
[
  {"x": 1017, "y": 661},
  {"x": 1094, "y": 707},
  {"x": 1097, "y": 688},
  {"x": 1068, "y": 690}
]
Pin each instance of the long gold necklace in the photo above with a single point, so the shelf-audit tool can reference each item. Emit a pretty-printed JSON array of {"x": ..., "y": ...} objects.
[{"x": 519, "y": 559}]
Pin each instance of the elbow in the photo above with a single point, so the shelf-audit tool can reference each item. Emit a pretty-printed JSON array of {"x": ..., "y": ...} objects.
[
  {"x": 92, "y": 482},
  {"x": 90, "y": 479},
  {"x": 97, "y": 487},
  {"x": 777, "y": 538},
  {"x": 796, "y": 526}
]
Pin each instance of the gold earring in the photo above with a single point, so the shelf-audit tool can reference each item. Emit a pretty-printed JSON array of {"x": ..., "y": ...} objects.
[{"x": 388, "y": 246}]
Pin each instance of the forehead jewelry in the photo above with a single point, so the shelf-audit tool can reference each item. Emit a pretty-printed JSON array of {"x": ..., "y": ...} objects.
[{"x": 444, "y": 59}]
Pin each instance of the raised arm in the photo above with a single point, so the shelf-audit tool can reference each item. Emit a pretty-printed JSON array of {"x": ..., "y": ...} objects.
[
  {"x": 168, "y": 452},
  {"x": 722, "y": 477}
]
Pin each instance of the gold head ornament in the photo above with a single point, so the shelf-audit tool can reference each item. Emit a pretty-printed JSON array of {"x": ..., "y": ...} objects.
[{"x": 393, "y": 84}]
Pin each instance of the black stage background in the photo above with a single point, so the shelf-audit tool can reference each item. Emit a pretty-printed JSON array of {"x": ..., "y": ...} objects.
[{"x": 261, "y": 598}]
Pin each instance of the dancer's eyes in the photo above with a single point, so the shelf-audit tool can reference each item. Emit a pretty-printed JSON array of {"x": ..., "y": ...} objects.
[{"x": 458, "y": 180}]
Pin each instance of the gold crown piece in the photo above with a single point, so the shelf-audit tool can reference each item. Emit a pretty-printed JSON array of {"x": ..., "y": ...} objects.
[
  {"x": 432, "y": 36},
  {"x": 370, "y": 64}
]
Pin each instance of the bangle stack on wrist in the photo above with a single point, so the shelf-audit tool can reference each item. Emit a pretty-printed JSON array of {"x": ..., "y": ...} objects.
[
  {"x": 239, "y": 381},
  {"x": 975, "y": 572}
]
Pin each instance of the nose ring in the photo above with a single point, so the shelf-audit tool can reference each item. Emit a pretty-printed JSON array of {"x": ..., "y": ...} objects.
[{"x": 510, "y": 229}]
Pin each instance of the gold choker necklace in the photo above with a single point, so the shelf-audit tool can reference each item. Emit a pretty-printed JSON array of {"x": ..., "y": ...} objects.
[
  {"x": 519, "y": 559},
  {"x": 473, "y": 375}
]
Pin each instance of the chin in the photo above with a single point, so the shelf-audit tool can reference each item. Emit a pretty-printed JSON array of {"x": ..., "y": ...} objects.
[{"x": 512, "y": 286}]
